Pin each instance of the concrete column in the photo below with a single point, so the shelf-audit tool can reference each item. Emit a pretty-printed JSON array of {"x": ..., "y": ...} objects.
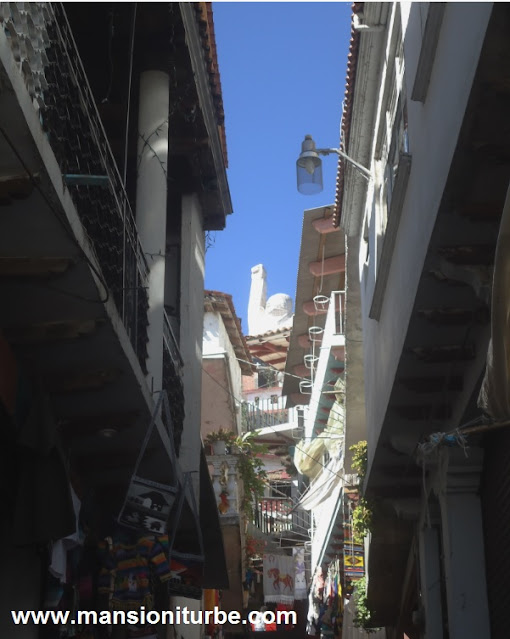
[
  {"x": 151, "y": 206},
  {"x": 430, "y": 578},
  {"x": 463, "y": 544},
  {"x": 192, "y": 325}
]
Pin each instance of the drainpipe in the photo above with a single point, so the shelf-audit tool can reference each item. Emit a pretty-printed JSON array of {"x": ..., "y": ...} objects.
[{"x": 151, "y": 205}]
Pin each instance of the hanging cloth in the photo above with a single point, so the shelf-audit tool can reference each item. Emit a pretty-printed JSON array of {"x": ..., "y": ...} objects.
[
  {"x": 278, "y": 571},
  {"x": 148, "y": 503}
]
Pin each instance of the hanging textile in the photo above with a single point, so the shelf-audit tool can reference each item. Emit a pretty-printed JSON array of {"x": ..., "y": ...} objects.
[
  {"x": 278, "y": 571},
  {"x": 300, "y": 589},
  {"x": 315, "y": 602},
  {"x": 43, "y": 506},
  {"x": 129, "y": 569},
  {"x": 494, "y": 396},
  {"x": 148, "y": 503}
]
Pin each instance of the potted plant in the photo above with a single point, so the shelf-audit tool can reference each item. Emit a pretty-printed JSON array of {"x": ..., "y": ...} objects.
[{"x": 219, "y": 440}]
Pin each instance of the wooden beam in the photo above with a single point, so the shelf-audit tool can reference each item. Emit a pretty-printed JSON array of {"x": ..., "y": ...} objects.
[
  {"x": 33, "y": 266},
  {"x": 423, "y": 412},
  {"x": 88, "y": 424},
  {"x": 446, "y": 353},
  {"x": 435, "y": 384},
  {"x": 50, "y": 331},
  {"x": 72, "y": 381},
  {"x": 329, "y": 266},
  {"x": 325, "y": 225},
  {"x": 455, "y": 316},
  {"x": 15, "y": 186}
]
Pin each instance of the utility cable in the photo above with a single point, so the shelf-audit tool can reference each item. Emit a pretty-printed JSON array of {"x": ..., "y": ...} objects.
[{"x": 269, "y": 426}]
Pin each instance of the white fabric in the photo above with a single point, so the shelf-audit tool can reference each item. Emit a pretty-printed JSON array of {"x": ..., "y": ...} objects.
[
  {"x": 323, "y": 486},
  {"x": 300, "y": 589},
  {"x": 278, "y": 571},
  {"x": 58, "y": 565},
  {"x": 494, "y": 396}
]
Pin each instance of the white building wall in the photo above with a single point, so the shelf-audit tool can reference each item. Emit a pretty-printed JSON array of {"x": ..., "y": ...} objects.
[
  {"x": 216, "y": 343},
  {"x": 433, "y": 128}
]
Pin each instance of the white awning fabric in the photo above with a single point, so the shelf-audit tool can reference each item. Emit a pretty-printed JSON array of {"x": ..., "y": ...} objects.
[{"x": 494, "y": 397}]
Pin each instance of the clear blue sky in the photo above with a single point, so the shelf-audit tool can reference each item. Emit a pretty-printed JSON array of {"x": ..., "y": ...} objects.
[{"x": 282, "y": 67}]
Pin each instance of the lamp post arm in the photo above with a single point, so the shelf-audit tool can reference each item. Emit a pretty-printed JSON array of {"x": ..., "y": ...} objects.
[{"x": 360, "y": 168}]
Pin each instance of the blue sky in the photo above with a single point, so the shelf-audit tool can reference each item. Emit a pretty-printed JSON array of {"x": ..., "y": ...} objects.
[{"x": 282, "y": 67}]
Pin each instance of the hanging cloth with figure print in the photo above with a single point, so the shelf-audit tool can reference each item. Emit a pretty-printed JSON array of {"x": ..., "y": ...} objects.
[
  {"x": 278, "y": 572},
  {"x": 148, "y": 503}
]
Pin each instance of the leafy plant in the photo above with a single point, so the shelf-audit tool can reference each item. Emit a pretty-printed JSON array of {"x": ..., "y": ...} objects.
[
  {"x": 361, "y": 520},
  {"x": 251, "y": 470},
  {"x": 221, "y": 435},
  {"x": 254, "y": 548},
  {"x": 359, "y": 458},
  {"x": 362, "y": 615}
]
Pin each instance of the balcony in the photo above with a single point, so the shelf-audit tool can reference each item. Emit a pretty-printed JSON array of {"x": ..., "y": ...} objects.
[
  {"x": 269, "y": 413},
  {"x": 328, "y": 365},
  {"x": 42, "y": 43},
  {"x": 277, "y": 515}
]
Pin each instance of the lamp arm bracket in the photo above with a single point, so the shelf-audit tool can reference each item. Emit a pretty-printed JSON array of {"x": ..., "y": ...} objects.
[{"x": 360, "y": 167}]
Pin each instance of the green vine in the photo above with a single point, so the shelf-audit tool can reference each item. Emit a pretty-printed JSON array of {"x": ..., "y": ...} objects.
[
  {"x": 359, "y": 458},
  {"x": 361, "y": 520},
  {"x": 362, "y": 615},
  {"x": 251, "y": 470}
]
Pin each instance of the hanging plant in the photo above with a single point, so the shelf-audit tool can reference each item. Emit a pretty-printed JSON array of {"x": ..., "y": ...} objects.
[
  {"x": 251, "y": 470},
  {"x": 362, "y": 616},
  {"x": 361, "y": 520},
  {"x": 359, "y": 458}
]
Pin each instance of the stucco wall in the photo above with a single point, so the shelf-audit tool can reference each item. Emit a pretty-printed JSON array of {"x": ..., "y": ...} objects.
[
  {"x": 217, "y": 402},
  {"x": 216, "y": 343},
  {"x": 433, "y": 131}
]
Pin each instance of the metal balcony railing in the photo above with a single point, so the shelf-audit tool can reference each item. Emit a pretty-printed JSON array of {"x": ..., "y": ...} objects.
[
  {"x": 335, "y": 317},
  {"x": 276, "y": 515},
  {"x": 268, "y": 412},
  {"x": 42, "y": 41},
  {"x": 170, "y": 343}
]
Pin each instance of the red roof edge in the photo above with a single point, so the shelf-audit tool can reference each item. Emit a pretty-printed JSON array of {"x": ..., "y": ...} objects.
[
  {"x": 205, "y": 15},
  {"x": 352, "y": 64}
]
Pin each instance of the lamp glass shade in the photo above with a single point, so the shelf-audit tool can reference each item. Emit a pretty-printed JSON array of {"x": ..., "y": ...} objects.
[{"x": 309, "y": 175}]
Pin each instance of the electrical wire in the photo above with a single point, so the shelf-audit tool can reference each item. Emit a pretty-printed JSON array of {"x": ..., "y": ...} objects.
[{"x": 240, "y": 401}]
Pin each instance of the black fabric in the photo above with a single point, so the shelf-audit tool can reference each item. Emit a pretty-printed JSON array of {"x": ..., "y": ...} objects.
[{"x": 43, "y": 509}]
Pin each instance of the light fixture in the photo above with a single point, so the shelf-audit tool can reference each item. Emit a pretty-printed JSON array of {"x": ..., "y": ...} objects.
[{"x": 309, "y": 166}]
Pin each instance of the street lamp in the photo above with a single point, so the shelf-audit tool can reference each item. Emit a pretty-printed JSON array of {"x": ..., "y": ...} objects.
[{"x": 309, "y": 166}]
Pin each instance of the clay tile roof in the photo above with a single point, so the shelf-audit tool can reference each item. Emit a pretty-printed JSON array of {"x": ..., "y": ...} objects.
[
  {"x": 217, "y": 302},
  {"x": 205, "y": 21},
  {"x": 350, "y": 81}
]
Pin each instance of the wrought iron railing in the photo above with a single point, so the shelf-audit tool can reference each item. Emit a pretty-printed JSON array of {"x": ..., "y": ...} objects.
[
  {"x": 267, "y": 412},
  {"x": 336, "y": 311},
  {"x": 274, "y": 515},
  {"x": 170, "y": 343},
  {"x": 42, "y": 41}
]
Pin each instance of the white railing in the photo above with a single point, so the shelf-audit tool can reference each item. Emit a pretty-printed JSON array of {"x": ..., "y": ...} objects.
[{"x": 335, "y": 317}]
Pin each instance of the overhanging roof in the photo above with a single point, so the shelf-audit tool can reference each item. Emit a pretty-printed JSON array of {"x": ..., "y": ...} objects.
[
  {"x": 216, "y": 302},
  {"x": 315, "y": 247}
]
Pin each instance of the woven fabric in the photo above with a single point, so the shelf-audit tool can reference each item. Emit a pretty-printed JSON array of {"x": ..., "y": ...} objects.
[{"x": 278, "y": 571}]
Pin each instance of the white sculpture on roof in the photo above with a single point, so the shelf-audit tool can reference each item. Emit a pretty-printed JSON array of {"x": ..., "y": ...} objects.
[{"x": 266, "y": 314}]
